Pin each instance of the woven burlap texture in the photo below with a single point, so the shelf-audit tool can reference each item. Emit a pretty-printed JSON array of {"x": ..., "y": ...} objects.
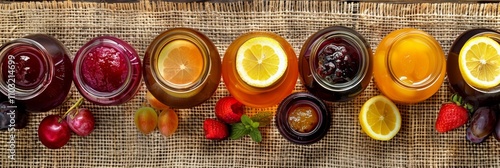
[{"x": 117, "y": 143}]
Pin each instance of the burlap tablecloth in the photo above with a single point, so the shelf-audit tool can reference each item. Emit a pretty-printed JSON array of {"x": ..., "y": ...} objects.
[{"x": 116, "y": 142}]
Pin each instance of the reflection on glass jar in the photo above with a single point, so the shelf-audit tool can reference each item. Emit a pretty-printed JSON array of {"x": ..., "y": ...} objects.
[
  {"x": 473, "y": 95},
  {"x": 335, "y": 64},
  {"x": 182, "y": 68},
  {"x": 36, "y": 70},
  {"x": 302, "y": 118},
  {"x": 107, "y": 71},
  {"x": 260, "y": 69},
  {"x": 409, "y": 66}
]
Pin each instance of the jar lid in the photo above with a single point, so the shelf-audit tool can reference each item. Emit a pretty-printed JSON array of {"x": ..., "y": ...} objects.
[{"x": 107, "y": 71}]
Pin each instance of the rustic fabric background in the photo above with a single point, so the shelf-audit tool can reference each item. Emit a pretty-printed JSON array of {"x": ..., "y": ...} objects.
[{"x": 116, "y": 142}]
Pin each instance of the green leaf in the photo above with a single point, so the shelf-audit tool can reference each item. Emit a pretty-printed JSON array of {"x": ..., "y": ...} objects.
[
  {"x": 255, "y": 135},
  {"x": 246, "y": 120},
  {"x": 255, "y": 124},
  {"x": 264, "y": 118},
  {"x": 238, "y": 130}
]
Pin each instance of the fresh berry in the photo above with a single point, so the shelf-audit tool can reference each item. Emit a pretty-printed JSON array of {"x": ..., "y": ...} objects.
[
  {"x": 215, "y": 130},
  {"x": 452, "y": 115},
  {"x": 229, "y": 110},
  {"x": 54, "y": 132}
]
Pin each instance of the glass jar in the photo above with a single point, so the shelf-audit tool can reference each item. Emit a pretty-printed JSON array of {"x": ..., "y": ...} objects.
[
  {"x": 107, "y": 71},
  {"x": 475, "y": 96},
  {"x": 248, "y": 94},
  {"x": 182, "y": 68},
  {"x": 335, "y": 64},
  {"x": 36, "y": 71},
  {"x": 302, "y": 118},
  {"x": 409, "y": 66}
]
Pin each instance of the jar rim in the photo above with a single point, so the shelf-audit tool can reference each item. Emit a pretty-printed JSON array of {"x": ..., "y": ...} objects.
[
  {"x": 164, "y": 39},
  {"x": 353, "y": 39},
  {"x": 431, "y": 43},
  {"x": 129, "y": 55},
  {"x": 26, "y": 94}
]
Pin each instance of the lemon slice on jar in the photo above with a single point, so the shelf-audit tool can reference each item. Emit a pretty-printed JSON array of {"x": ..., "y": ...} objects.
[
  {"x": 479, "y": 62},
  {"x": 379, "y": 118},
  {"x": 261, "y": 61}
]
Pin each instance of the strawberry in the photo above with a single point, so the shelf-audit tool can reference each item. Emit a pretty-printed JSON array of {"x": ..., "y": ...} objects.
[
  {"x": 452, "y": 115},
  {"x": 215, "y": 130},
  {"x": 229, "y": 110}
]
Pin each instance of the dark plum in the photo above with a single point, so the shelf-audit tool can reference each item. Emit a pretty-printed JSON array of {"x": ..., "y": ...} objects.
[
  {"x": 472, "y": 138},
  {"x": 497, "y": 131},
  {"x": 18, "y": 111},
  {"x": 482, "y": 122}
]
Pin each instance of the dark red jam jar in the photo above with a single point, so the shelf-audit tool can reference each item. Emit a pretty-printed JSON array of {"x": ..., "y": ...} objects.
[
  {"x": 35, "y": 71},
  {"x": 475, "y": 96},
  {"x": 107, "y": 71},
  {"x": 302, "y": 118},
  {"x": 335, "y": 64}
]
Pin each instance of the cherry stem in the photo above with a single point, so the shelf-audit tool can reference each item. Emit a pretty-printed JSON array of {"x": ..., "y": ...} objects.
[{"x": 75, "y": 106}]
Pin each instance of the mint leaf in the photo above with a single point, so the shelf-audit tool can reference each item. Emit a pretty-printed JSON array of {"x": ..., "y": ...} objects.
[
  {"x": 246, "y": 120},
  {"x": 255, "y": 135},
  {"x": 238, "y": 130},
  {"x": 255, "y": 124},
  {"x": 264, "y": 118}
]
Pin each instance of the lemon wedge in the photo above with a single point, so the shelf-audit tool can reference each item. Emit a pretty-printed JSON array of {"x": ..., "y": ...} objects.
[
  {"x": 479, "y": 62},
  {"x": 261, "y": 61},
  {"x": 379, "y": 118}
]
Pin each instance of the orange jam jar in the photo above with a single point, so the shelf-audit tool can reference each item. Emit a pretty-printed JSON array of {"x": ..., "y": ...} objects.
[
  {"x": 409, "y": 66},
  {"x": 182, "y": 68},
  {"x": 260, "y": 69}
]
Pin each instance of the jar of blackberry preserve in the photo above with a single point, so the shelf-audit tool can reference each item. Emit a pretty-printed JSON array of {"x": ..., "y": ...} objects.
[{"x": 335, "y": 64}]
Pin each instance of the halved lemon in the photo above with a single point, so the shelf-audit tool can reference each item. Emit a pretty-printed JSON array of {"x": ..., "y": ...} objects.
[
  {"x": 479, "y": 62},
  {"x": 261, "y": 61},
  {"x": 380, "y": 118}
]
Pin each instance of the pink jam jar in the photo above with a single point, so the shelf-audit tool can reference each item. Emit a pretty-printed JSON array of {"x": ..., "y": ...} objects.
[
  {"x": 35, "y": 70},
  {"x": 107, "y": 71}
]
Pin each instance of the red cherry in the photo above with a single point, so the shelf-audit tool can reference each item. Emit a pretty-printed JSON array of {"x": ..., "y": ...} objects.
[
  {"x": 81, "y": 121},
  {"x": 54, "y": 132}
]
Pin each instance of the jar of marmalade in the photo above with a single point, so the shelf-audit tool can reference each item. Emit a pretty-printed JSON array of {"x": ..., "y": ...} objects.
[{"x": 335, "y": 64}]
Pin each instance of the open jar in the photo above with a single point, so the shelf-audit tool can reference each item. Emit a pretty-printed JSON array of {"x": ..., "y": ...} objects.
[
  {"x": 182, "y": 68},
  {"x": 475, "y": 96},
  {"x": 35, "y": 70},
  {"x": 107, "y": 71},
  {"x": 335, "y": 64},
  {"x": 302, "y": 118},
  {"x": 409, "y": 66}
]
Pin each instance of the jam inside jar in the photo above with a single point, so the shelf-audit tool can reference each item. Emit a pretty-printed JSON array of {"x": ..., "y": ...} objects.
[
  {"x": 335, "y": 64},
  {"x": 303, "y": 118},
  {"x": 107, "y": 71},
  {"x": 35, "y": 71}
]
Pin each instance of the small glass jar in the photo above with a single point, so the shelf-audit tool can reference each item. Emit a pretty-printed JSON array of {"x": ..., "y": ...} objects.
[
  {"x": 302, "y": 118},
  {"x": 36, "y": 71},
  {"x": 409, "y": 66},
  {"x": 475, "y": 96},
  {"x": 335, "y": 64},
  {"x": 182, "y": 68},
  {"x": 107, "y": 71},
  {"x": 259, "y": 97}
]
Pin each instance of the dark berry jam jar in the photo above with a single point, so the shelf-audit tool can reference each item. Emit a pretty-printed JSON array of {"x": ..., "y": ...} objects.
[
  {"x": 107, "y": 71},
  {"x": 36, "y": 71},
  {"x": 475, "y": 96},
  {"x": 335, "y": 64},
  {"x": 302, "y": 118}
]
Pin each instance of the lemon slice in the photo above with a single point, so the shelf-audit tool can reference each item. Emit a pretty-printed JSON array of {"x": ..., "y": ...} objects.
[
  {"x": 479, "y": 62},
  {"x": 261, "y": 61},
  {"x": 380, "y": 118}
]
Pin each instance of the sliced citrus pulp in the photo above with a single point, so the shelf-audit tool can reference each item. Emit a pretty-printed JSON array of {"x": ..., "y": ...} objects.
[
  {"x": 261, "y": 61},
  {"x": 180, "y": 62},
  {"x": 380, "y": 118},
  {"x": 479, "y": 62}
]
